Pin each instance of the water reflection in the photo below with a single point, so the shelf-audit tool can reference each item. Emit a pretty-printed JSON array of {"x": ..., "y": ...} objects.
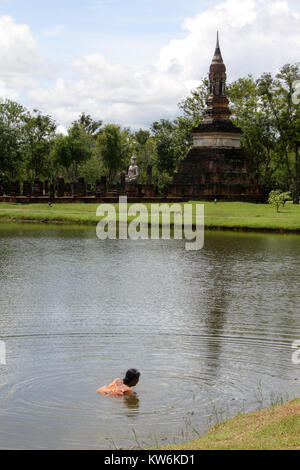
[{"x": 133, "y": 405}]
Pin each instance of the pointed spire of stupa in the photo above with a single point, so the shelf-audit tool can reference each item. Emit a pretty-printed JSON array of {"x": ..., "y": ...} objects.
[
  {"x": 217, "y": 104},
  {"x": 218, "y": 59}
]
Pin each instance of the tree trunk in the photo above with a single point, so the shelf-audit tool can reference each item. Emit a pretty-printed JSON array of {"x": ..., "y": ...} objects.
[{"x": 297, "y": 176}]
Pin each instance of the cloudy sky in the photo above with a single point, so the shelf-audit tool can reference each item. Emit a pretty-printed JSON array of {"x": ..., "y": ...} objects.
[{"x": 132, "y": 61}]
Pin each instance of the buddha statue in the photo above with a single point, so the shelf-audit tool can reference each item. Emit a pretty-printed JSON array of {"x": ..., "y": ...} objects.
[{"x": 133, "y": 171}]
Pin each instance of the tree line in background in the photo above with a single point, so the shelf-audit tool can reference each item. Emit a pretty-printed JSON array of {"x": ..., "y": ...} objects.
[{"x": 31, "y": 147}]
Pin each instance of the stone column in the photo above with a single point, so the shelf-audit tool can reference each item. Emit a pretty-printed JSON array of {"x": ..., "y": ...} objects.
[
  {"x": 104, "y": 182},
  {"x": 46, "y": 184},
  {"x": 15, "y": 188},
  {"x": 148, "y": 189},
  {"x": 123, "y": 181},
  {"x": 52, "y": 190},
  {"x": 38, "y": 188},
  {"x": 68, "y": 189},
  {"x": 60, "y": 187},
  {"x": 26, "y": 188},
  {"x": 89, "y": 189},
  {"x": 149, "y": 175},
  {"x": 101, "y": 187},
  {"x": 81, "y": 187},
  {"x": 5, "y": 188},
  {"x": 75, "y": 188}
]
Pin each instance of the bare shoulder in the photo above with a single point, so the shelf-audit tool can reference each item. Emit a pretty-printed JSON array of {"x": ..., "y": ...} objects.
[
  {"x": 112, "y": 388},
  {"x": 118, "y": 383},
  {"x": 117, "y": 387},
  {"x": 103, "y": 390}
]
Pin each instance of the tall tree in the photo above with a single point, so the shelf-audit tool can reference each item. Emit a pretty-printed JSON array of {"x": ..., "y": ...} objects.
[
  {"x": 12, "y": 117},
  {"x": 173, "y": 141},
  {"x": 277, "y": 98},
  {"x": 72, "y": 150},
  {"x": 38, "y": 136},
  {"x": 89, "y": 125},
  {"x": 141, "y": 137},
  {"x": 115, "y": 146},
  {"x": 259, "y": 140},
  {"x": 144, "y": 150},
  {"x": 290, "y": 119}
]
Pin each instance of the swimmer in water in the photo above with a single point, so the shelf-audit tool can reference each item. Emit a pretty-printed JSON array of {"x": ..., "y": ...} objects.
[{"x": 121, "y": 387}]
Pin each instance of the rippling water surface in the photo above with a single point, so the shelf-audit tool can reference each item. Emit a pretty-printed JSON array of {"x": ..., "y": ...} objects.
[{"x": 211, "y": 332}]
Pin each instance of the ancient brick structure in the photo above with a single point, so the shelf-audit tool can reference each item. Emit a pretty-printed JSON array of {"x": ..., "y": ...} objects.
[
  {"x": 148, "y": 189},
  {"x": 68, "y": 189},
  {"x": 52, "y": 191},
  {"x": 123, "y": 182},
  {"x": 132, "y": 189},
  {"x": 216, "y": 166},
  {"x": 38, "y": 188},
  {"x": 89, "y": 191},
  {"x": 101, "y": 187},
  {"x": 81, "y": 187},
  {"x": 15, "y": 188},
  {"x": 26, "y": 188},
  {"x": 60, "y": 191},
  {"x": 46, "y": 186},
  {"x": 149, "y": 175}
]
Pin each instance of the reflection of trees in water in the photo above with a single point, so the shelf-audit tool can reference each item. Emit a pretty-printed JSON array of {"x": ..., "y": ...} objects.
[
  {"x": 214, "y": 324},
  {"x": 253, "y": 269},
  {"x": 5, "y": 261},
  {"x": 132, "y": 402},
  {"x": 217, "y": 264}
]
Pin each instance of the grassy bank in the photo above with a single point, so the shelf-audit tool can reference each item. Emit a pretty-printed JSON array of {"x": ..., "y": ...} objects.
[
  {"x": 228, "y": 215},
  {"x": 276, "y": 428}
]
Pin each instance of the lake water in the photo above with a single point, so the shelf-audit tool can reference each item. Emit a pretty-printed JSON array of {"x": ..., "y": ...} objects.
[{"x": 211, "y": 332}]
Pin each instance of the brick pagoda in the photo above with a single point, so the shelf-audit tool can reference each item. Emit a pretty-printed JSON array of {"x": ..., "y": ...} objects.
[{"x": 216, "y": 166}]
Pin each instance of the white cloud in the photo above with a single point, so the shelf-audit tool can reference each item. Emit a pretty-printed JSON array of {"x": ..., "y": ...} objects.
[
  {"x": 113, "y": 92},
  {"x": 256, "y": 36},
  {"x": 20, "y": 62}
]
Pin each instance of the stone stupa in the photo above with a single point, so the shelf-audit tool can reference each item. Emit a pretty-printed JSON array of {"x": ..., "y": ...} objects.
[{"x": 216, "y": 167}]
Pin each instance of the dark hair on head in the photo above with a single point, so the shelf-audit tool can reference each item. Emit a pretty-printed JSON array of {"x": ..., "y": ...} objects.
[{"x": 131, "y": 374}]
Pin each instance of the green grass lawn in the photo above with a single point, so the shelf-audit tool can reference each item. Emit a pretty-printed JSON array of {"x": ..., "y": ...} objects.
[
  {"x": 227, "y": 215},
  {"x": 276, "y": 428}
]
